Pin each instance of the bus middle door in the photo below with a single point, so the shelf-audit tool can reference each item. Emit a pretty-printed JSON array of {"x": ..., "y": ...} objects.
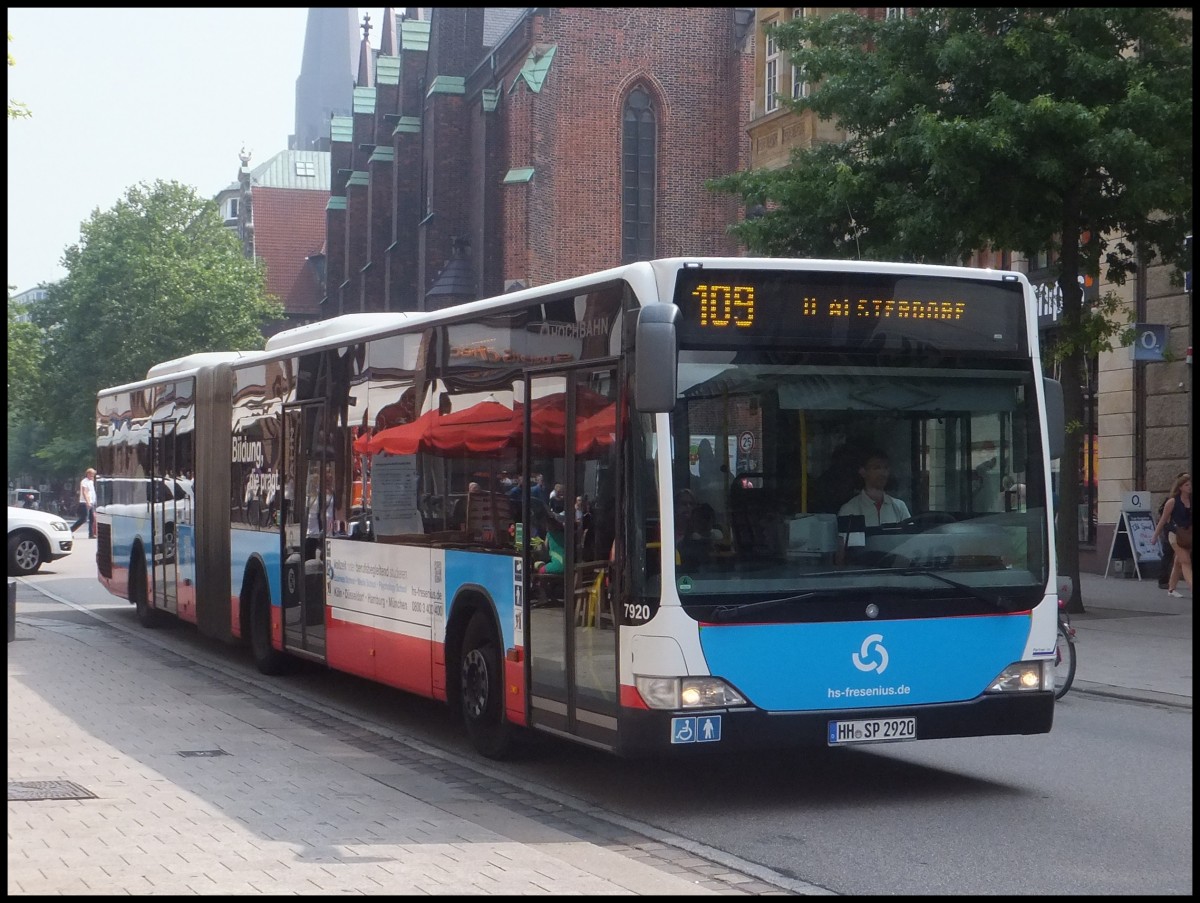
[
  {"x": 308, "y": 472},
  {"x": 160, "y": 496}
]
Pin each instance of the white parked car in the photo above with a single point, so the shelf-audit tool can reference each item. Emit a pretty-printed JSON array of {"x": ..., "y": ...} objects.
[
  {"x": 171, "y": 501},
  {"x": 35, "y": 537}
]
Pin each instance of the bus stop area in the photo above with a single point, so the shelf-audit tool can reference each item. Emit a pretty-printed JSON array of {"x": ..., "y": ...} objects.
[{"x": 134, "y": 768}]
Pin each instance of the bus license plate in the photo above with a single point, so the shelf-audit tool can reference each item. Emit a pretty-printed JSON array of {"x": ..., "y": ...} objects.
[{"x": 872, "y": 730}]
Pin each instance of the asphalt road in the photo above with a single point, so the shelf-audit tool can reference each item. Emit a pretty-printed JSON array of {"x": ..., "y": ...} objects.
[{"x": 1101, "y": 805}]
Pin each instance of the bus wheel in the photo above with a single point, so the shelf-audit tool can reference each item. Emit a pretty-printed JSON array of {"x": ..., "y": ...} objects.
[
  {"x": 267, "y": 658},
  {"x": 138, "y": 594},
  {"x": 482, "y": 690}
]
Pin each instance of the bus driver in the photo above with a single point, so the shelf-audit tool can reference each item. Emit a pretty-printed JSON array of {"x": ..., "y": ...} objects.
[{"x": 873, "y": 503}]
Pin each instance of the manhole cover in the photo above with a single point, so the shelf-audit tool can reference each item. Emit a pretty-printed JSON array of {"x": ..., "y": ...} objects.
[
  {"x": 48, "y": 790},
  {"x": 202, "y": 753}
]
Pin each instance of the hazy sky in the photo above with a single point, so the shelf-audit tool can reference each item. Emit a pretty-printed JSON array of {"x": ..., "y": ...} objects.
[{"x": 122, "y": 96}]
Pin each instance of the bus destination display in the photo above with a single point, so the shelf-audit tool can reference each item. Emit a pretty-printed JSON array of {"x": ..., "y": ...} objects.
[{"x": 738, "y": 308}]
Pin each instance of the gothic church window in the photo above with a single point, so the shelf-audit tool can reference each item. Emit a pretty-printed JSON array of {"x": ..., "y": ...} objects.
[{"x": 639, "y": 151}]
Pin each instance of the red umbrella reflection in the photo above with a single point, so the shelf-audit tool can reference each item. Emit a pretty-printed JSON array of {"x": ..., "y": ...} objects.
[
  {"x": 405, "y": 439},
  {"x": 596, "y": 433},
  {"x": 486, "y": 428}
]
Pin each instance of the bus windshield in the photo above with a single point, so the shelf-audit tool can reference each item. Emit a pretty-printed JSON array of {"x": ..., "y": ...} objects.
[{"x": 852, "y": 478}]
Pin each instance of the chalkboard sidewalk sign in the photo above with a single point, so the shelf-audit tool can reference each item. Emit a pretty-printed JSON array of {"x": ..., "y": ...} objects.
[{"x": 1132, "y": 539}]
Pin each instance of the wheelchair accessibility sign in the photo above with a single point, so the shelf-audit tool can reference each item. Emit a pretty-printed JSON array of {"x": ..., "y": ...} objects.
[{"x": 702, "y": 729}]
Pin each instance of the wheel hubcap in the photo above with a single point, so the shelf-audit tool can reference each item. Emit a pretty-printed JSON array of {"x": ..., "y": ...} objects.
[
  {"x": 474, "y": 683},
  {"x": 27, "y": 555}
]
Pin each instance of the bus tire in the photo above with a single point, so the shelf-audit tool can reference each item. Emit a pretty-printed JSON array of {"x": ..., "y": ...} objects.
[
  {"x": 138, "y": 593},
  {"x": 267, "y": 658},
  {"x": 481, "y": 689}
]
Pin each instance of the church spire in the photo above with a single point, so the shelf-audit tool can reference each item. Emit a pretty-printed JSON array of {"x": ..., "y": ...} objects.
[
  {"x": 325, "y": 86},
  {"x": 366, "y": 69},
  {"x": 387, "y": 43}
]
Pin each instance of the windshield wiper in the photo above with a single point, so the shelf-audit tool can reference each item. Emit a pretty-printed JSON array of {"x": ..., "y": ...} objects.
[
  {"x": 997, "y": 601},
  {"x": 728, "y": 612}
]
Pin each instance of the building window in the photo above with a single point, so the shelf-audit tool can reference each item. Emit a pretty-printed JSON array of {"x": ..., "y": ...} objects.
[
  {"x": 896, "y": 12},
  {"x": 639, "y": 158},
  {"x": 800, "y": 87},
  {"x": 771, "y": 72},
  {"x": 231, "y": 210},
  {"x": 306, "y": 168}
]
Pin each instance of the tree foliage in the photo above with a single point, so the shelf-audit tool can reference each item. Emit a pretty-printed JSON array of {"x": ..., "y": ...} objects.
[
  {"x": 1022, "y": 129},
  {"x": 24, "y": 364},
  {"x": 24, "y": 361},
  {"x": 156, "y": 277},
  {"x": 16, "y": 109}
]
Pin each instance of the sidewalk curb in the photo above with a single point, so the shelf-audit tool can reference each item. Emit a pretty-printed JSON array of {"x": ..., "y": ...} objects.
[{"x": 1170, "y": 700}]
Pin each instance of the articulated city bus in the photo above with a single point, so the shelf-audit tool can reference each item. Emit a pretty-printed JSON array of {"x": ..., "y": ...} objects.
[{"x": 677, "y": 506}]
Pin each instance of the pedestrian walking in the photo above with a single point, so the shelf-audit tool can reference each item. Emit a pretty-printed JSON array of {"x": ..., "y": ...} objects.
[
  {"x": 87, "y": 504},
  {"x": 1168, "y": 550},
  {"x": 1176, "y": 521}
]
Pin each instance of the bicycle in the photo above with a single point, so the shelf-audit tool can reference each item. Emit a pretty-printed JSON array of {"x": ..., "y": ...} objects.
[{"x": 1064, "y": 652}]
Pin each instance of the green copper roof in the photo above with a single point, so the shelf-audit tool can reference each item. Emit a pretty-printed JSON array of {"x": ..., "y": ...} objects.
[
  {"x": 537, "y": 66},
  {"x": 364, "y": 100},
  {"x": 294, "y": 169},
  {"x": 447, "y": 84},
  {"x": 382, "y": 155},
  {"x": 336, "y": 202},
  {"x": 341, "y": 128},
  {"x": 358, "y": 177},
  {"x": 387, "y": 70},
  {"x": 407, "y": 125},
  {"x": 521, "y": 174},
  {"x": 414, "y": 35}
]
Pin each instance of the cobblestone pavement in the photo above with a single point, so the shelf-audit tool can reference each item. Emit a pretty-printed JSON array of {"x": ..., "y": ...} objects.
[{"x": 135, "y": 768}]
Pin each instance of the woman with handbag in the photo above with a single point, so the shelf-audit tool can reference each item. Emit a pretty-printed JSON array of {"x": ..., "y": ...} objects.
[{"x": 1177, "y": 520}]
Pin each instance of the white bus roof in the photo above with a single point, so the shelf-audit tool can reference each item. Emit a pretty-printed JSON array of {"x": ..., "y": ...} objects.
[
  {"x": 193, "y": 362},
  {"x": 336, "y": 326}
]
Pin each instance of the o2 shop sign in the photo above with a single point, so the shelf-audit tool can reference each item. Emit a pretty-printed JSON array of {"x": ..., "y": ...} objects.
[
  {"x": 1149, "y": 342},
  {"x": 1138, "y": 500}
]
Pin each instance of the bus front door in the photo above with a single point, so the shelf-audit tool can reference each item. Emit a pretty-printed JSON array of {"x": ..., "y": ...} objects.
[
  {"x": 572, "y": 635},
  {"x": 308, "y": 471}
]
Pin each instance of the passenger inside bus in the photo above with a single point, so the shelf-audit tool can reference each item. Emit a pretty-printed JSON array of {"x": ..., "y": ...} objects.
[{"x": 701, "y": 537}]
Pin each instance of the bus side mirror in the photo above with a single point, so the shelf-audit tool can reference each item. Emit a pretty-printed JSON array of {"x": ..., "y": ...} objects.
[
  {"x": 1055, "y": 418},
  {"x": 655, "y": 358}
]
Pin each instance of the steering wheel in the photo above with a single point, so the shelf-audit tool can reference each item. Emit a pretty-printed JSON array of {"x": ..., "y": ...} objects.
[
  {"x": 929, "y": 519},
  {"x": 893, "y": 560}
]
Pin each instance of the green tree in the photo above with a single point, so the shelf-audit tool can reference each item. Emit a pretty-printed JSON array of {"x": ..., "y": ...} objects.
[
  {"x": 24, "y": 369},
  {"x": 24, "y": 361},
  {"x": 156, "y": 277},
  {"x": 1007, "y": 128},
  {"x": 16, "y": 109}
]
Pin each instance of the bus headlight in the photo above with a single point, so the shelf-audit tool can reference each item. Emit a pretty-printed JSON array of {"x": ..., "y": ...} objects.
[
  {"x": 1022, "y": 676},
  {"x": 687, "y": 692}
]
